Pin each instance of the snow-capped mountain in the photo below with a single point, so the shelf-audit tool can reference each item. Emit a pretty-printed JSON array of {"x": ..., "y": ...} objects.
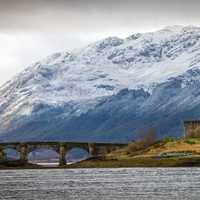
[{"x": 111, "y": 90}]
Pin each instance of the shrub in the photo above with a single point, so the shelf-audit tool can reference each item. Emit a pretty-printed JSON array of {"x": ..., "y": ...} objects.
[
  {"x": 135, "y": 146},
  {"x": 190, "y": 141},
  {"x": 168, "y": 139}
]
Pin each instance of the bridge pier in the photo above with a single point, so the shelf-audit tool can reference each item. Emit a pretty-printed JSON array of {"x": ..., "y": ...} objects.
[
  {"x": 23, "y": 153},
  {"x": 62, "y": 151},
  {"x": 91, "y": 148}
]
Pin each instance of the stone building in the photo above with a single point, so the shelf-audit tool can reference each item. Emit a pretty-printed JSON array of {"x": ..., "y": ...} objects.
[{"x": 192, "y": 128}]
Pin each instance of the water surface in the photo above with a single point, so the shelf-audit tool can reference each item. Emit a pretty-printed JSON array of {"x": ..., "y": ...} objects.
[{"x": 96, "y": 184}]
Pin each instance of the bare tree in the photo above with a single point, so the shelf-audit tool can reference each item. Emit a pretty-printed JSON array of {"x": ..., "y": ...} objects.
[{"x": 147, "y": 139}]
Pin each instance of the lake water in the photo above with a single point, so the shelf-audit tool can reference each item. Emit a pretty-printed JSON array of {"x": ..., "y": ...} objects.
[{"x": 101, "y": 184}]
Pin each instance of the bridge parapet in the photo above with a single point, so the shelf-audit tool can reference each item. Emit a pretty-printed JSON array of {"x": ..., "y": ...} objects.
[{"x": 93, "y": 149}]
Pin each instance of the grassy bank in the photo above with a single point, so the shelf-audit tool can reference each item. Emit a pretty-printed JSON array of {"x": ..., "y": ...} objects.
[{"x": 166, "y": 153}]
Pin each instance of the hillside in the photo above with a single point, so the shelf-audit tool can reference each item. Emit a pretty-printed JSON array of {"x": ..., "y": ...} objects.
[
  {"x": 166, "y": 153},
  {"x": 111, "y": 90}
]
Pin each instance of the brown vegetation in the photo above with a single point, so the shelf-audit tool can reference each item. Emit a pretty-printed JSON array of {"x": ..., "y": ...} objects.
[{"x": 147, "y": 139}]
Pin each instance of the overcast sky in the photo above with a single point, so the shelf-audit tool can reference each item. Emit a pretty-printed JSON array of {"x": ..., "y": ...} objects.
[{"x": 33, "y": 29}]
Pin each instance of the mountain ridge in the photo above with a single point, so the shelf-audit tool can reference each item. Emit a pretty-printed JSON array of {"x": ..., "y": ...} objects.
[{"x": 78, "y": 87}]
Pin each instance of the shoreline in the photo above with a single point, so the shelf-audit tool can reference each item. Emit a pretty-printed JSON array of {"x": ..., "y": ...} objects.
[{"x": 135, "y": 162}]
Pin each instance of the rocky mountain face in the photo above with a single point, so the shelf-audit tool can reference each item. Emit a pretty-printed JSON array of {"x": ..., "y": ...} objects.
[{"x": 112, "y": 90}]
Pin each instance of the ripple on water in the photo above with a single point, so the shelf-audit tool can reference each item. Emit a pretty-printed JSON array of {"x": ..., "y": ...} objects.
[{"x": 96, "y": 184}]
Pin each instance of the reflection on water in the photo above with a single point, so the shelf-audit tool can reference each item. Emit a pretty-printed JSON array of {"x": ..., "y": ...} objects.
[
  {"x": 51, "y": 164},
  {"x": 96, "y": 184},
  {"x": 54, "y": 163}
]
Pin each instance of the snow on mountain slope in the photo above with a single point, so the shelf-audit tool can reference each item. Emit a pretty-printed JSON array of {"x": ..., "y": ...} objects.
[{"x": 78, "y": 81}]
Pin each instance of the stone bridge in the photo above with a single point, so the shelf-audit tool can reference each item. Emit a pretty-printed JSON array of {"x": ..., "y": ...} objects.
[{"x": 93, "y": 149}]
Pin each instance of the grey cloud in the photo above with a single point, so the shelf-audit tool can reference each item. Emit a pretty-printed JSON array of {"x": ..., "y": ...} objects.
[
  {"x": 94, "y": 15},
  {"x": 33, "y": 29}
]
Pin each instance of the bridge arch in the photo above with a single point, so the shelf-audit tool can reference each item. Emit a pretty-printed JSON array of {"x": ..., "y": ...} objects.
[
  {"x": 76, "y": 154},
  {"x": 43, "y": 153},
  {"x": 10, "y": 153}
]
